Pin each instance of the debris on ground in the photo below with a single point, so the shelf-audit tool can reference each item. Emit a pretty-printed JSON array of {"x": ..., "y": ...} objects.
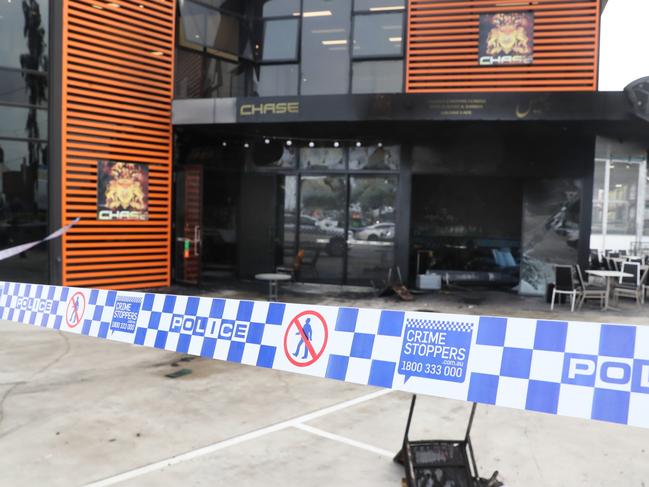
[{"x": 179, "y": 373}]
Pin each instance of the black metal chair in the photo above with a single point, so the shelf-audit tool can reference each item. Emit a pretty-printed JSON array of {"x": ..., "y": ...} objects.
[
  {"x": 564, "y": 284},
  {"x": 589, "y": 291},
  {"x": 630, "y": 286}
]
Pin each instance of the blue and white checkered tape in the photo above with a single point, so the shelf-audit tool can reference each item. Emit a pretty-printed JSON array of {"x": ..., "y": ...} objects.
[{"x": 585, "y": 370}]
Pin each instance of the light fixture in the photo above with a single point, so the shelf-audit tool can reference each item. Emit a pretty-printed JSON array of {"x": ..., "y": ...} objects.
[
  {"x": 289, "y": 143},
  {"x": 311, "y": 144},
  {"x": 224, "y": 143},
  {"x": 379, "y": 145},
  {"x": 246, "y": 145},
  {"x": 266, "y": 141},
  {"x": 358, "y": 144},
  {"x": 336, "y": 144},
  {"x": 317, "y": 13},
  {"x": 395, "y": 39},
  {"x": 334, "y": 42},
  {"x": 384, "y": 9}
]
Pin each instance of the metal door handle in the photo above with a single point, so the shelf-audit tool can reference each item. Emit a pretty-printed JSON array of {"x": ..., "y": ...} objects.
[{"x": 197, "y": 240}]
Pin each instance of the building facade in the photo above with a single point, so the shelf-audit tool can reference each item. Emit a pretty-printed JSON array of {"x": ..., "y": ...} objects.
[{"x": 210, "y": 139}]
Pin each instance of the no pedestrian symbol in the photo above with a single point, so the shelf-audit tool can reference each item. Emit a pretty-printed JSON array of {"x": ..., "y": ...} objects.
[
  {"x": 75, "y": 309},
  {"x": 306, "y": 338}
]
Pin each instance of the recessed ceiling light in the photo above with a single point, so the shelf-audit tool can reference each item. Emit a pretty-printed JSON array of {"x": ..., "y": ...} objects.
[
  {"x": 334, "y": 42},
  {"x": 383, "y": 9},
  {"x": 317, "y": 13},
  {"x": 395, "y": 39}
]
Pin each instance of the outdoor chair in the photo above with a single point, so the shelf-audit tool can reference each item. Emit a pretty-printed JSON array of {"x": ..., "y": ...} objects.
[
  {"x": 588, "y": 291},
  {"x": 630, "y": 287},
  {"x": 564, "y": 284}
]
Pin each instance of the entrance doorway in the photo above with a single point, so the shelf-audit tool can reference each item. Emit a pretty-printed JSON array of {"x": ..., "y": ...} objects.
[
  {"x": 206, "y": 206},
  {"x": 467, "y": 227}
]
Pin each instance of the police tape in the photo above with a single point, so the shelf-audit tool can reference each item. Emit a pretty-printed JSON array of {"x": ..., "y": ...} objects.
[
  {"x": 584, "y": 370},
  {"x": 19, "y": 249}
]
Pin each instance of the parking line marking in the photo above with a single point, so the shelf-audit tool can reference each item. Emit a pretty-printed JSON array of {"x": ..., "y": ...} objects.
[
  {"x": 206, "y": 450},
  {"x": 343, "y": 439}
]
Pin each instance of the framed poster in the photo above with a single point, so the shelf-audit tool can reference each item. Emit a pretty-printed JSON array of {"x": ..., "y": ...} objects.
[
  {"x": 122, "y": 191},
  {"x": 506, "y": 39}
]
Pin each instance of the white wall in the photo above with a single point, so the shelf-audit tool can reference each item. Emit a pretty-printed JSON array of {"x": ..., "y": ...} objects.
[{"x": 624, "y": 43}]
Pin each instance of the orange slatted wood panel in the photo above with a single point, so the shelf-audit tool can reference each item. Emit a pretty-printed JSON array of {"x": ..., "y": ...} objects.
[
  {"x": 443, "y": 38},
  {"x": 117, "y": 92}
]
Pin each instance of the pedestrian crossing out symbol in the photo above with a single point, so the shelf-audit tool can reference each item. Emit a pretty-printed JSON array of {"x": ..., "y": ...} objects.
[
  {"x": 306, "y": 338},
  {"x": 75, "y": 309}
]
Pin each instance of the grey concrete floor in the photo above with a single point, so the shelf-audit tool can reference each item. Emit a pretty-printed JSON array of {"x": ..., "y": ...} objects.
[{"x": 80, "y": 411}]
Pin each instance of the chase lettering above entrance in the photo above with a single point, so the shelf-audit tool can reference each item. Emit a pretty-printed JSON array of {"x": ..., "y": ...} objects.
[
  {"x": 280, "y": 108},
  {"x": 586, "y": 106}
]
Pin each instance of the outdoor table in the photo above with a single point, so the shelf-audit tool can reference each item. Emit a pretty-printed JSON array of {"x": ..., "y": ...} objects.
[
  {"x": 609, "y": 276},
  {"x": 273, "y": 279}
]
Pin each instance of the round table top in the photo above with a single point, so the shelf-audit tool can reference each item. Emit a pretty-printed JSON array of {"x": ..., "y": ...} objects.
[
  {"x": 610, "y": 273},
  {"x": 272, "y": 276}
]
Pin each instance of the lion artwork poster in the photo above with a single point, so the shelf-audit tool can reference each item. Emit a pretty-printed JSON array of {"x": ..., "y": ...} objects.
[
  {"x": 506, "y": 39},
  {"x": 122, "y": 191}
]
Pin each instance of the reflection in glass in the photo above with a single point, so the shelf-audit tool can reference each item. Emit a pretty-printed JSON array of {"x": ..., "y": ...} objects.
[
  {"x": 22, "y": 122},
  {"x": 188, "y": 74},
  {"x": 287, "y": 226},
  {"x": 223, "y": 79},
  {"x": 377, "y": 77},
  {"x": 622, "y": 199},
  {"x": 322, "y": 227},
  {"x": 277, "y": 80},
  {"x": 277, "y": 8},
  {"x": 378, "y": 5},
  {"x": 319, "y": 158},
  {"x": 206, "y": 27},
  {"x": 371, "y": 219},
  {"x": 23, "y": 208},
  {"x": 24, "y": 88},
  {"x": 598, "y": 196},
  {"x": 378, "y": 35},
  {"x": 24, "y": 27},
  {"x": 280, "y": 40},
  {"x": 375, "y": 158},
  {"x": 325, "y": 47}
]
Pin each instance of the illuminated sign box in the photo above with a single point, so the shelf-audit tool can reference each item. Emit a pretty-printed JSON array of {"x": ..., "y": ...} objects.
[
  {"x": 122, "y": 191},
  {"x": 506, "y": 39}
]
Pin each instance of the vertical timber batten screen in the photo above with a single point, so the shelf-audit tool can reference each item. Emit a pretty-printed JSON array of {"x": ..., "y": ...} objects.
[
  {"x": 117, "y": 92},
  {"x": 443, "y": 38}
]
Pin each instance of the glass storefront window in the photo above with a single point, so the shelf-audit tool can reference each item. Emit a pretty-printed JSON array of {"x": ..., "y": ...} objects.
[
  {"x": 320, "y": 158},
  {"x": 378, "y": 5},
  {"x": 289, "y": 234},
  {"x": 279, "y": 8},
  {"x": 325, "y": 47},
  {"x": 322, "y": 227},
  {"x": 280, "y": 40},
  {"x": 372, "y": 224},
  {"x": 378, "y": 35},
  {"x": 23, "y": 122},
  {"x": 277, "y": 80},
  {"x": 275, "y": 155},
  {"x": 188, "y": 75},
  {"x": 385, "y": 158},
  {"x": 192, "y": 18},
  {"x": 377, "y": 77},
  {"x": 24, "y": 31}
]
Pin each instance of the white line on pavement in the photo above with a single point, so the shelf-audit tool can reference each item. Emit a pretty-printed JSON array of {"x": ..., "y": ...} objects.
[
  {"x": 206, "y": 450},
  {"x": 342, "y": 439}
]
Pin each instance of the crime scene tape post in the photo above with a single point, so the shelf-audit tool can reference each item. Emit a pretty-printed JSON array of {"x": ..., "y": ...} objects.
[{"x": 584, "y": 370}]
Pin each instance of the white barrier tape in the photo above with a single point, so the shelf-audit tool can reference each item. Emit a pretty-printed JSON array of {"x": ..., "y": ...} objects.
[
  {"x": 19, "y": 249},
  {"x": 585, "y": 370}
]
